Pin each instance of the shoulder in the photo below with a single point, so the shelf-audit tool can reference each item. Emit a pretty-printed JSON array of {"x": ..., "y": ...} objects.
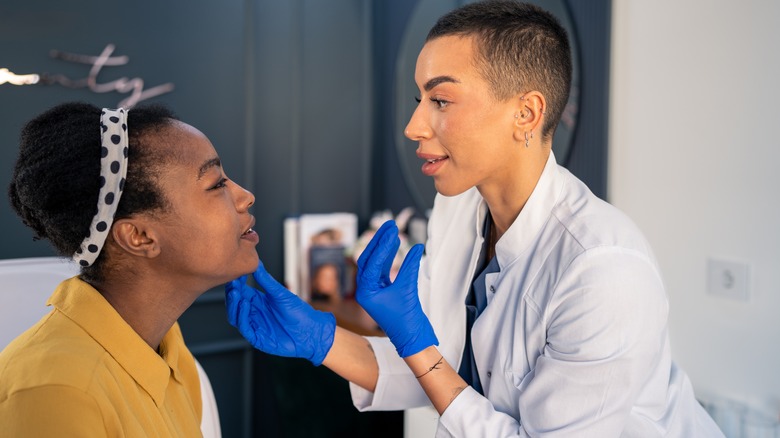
[
  {"x": 55, "y": 352},
  {"x": 596, "y": 224},
  {"x": 604, "y": 255},
  {"x": 45, "y": 378}
]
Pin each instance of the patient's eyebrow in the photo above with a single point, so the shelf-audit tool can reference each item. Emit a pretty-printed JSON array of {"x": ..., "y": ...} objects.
[
  {"x": 208, "y": 164},
  {"x": 438, "y": 80}
]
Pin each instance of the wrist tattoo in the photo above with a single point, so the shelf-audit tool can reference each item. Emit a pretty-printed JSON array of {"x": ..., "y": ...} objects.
[{"x": 434, "y": 367}]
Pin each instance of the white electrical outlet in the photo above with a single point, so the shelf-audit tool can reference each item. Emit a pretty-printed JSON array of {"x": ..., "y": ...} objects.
[{"x": 729, "y": 279}]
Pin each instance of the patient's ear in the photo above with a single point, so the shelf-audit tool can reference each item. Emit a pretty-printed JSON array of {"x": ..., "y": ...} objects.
[{"x": 136, "y": 236}]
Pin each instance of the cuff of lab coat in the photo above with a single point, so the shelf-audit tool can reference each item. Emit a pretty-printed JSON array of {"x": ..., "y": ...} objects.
[
  {"x": 452, "y": 418},
  {"x": 471, "y": 414},
  {"x": 396, "y": 388}
]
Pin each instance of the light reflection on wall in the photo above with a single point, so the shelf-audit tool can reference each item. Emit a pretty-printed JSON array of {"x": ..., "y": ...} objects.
[{"x": 6, "y": 76}]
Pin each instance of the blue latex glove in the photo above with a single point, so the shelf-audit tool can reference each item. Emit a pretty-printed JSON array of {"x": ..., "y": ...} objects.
[
  {"x": 395, "y": 306},
  {"x": 277, "y": 321}
]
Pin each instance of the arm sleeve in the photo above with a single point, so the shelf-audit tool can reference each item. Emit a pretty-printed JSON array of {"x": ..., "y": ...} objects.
[
  {"x": 396, "y": 388},
  {"x": 51, "y": 411},
  {"x": 605, "y": 328}
]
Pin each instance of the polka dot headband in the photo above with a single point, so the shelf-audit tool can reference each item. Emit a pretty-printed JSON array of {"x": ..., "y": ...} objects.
[{"x": 113, "y": 170}]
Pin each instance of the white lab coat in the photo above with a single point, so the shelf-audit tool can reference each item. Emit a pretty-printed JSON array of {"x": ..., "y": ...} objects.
[{"x": 573, "y": 341}]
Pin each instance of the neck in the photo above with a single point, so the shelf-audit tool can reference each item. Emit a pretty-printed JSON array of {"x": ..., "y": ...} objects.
[
  {"x": 150, "y": 306},
  {"x": 507, "y": 194}
]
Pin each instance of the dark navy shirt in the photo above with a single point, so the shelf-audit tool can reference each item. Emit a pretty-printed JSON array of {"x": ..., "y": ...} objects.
[{"x": 476, "y": 301}]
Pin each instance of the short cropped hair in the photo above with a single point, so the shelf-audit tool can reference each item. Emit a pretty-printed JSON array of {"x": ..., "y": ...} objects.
[
  {"x": 55, "y": 183},
  {"x": 520, "y": 48}
]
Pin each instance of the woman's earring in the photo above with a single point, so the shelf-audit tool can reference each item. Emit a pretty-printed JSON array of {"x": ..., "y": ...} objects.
[{"x": 526, "y": 139}]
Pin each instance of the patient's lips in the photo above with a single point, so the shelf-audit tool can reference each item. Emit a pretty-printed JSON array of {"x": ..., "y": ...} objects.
[
  {"x": 250, "y": 233},
  {"x": 251, "y": 236}
]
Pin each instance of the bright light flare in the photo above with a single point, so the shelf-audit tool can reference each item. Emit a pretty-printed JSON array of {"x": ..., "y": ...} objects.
[{"x": 14, "y": 79}]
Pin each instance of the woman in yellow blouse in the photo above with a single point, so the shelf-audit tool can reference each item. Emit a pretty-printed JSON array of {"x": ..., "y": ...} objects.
[{"x": 141, "y": 201}]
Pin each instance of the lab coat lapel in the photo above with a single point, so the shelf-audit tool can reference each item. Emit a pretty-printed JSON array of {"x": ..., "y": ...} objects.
[
  {"x": 443, "y": 295},
  {"x": 505, "y": 288}
]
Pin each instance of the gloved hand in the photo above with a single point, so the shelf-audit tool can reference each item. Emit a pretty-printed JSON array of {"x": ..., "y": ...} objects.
[
  {"x": 395, "y": 306},
  {"x": 277, "y": 321}
]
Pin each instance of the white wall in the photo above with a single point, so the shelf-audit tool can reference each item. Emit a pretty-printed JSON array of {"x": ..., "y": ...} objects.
[{"x": 694, "y": 159}]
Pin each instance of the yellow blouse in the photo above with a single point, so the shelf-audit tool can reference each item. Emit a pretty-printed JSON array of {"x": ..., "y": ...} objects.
[{"x": 82, "y": 371}]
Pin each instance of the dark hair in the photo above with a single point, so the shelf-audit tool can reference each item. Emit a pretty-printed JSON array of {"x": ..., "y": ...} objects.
[
  {"x": 520, "y": 47},
  {"x": 54, "y": 187}
]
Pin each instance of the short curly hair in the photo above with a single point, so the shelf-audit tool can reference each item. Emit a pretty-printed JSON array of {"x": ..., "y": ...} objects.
[{"x": 55, "y": 183}]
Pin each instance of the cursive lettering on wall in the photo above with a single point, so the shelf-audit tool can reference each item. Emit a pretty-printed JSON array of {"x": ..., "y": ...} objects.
[{"x": 134, "y": 86}]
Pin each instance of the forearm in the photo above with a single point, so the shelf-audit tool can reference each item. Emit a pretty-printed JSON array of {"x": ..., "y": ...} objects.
[
  {"x": 438, "y": 379},
  {"x": 352, "y": 358}
]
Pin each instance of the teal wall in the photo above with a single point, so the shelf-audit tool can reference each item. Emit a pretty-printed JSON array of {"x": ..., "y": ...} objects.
[{"x": 283, "y": 91}]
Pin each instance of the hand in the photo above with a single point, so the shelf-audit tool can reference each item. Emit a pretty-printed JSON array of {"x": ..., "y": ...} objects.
[
  {"x": 277, "y": 321},
  {"x": 395, "y": 306}
]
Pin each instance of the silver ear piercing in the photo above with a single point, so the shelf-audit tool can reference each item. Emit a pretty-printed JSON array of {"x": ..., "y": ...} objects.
[{"x": 526, "y": 138}]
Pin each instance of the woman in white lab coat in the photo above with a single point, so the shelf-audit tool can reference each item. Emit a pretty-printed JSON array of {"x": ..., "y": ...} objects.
[{"x": 545, "y": 302}]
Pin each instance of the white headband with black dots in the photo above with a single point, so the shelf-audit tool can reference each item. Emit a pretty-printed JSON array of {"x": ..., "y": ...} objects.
[{"x": 113, "y": 170}]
